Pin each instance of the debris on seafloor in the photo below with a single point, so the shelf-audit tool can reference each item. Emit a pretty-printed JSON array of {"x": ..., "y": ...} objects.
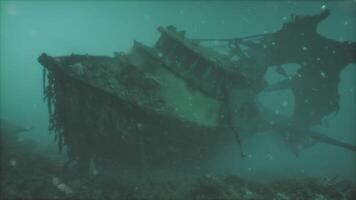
[{"x": 46, "y": 180}]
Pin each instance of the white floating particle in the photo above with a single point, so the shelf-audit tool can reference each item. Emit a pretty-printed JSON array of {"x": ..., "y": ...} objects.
[
  {"x": 334, "y": 52},
  {"x": 299, "y": 75},
  {"x": 160, "y": 54},
  {"x": 147, "y": 17},
  {"x": 12, "y": 10},
  {"x": 284, "y": 18},
  {"x": 318, "y": 59},
  {"x": 55, "y": 181},
  {"x": 248, "y": 193},
  {"x": 304, "y": 48},
  {"x": 277, "y": 112},
  {"x": 95, "y": 172},
  {"x": 346, "y": 23},
  {"x": 285, "y": 103},
  {"x": 269, "y": 157},
  {"x": 65, "y": 188},
  {"x": 323, "y": 6},
  {"x": 139, "y": 126},
  {"x": 249, "y": 169},
  {"x": 322, "y": 74},
  {"x": 273, "y": 43},
  {"x": 299, "y": 147},
  {"x": 13, "y": 162},
  {"x": 33, "y": 33}
]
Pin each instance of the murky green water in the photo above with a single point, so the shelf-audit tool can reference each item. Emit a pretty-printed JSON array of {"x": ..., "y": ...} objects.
[{"x": 173, "y": 164}]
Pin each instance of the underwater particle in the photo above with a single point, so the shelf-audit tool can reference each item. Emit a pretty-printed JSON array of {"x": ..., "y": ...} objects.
[
  {"x": 55, "y": 181},
  {"x": 147, "y": 17},
  {"x": 249, "y": 169},
  {"x": 319, "y": 197},
  {"x": 139, "y": 126},
  {"x": 247, "y": 194},
  {"x": 281, "y": 196},
  {"x": 351, "y": 90},
  {"x": 346, "y": 23},
  {"x": 95, "y": 172},
  {"x": 304, "y": 48},
  {"x": 269, "y": 157},
  {"x": 203, "y": 22},
  {"x": 284, "y": 18},
  {"x": 12, "y": 162},
  {"x": 33, "y": 33},
  {"x": 334, "y": 52},
  {"x": 245, "y": 19},
  {"x": 322, "y": 74},
  {"x": 323, "y": 6},
  {"x": 285, "y": 103},
  {"x": 12, "y": 10},
  {"x": 273, "y": 43},
  {"x": 64, "y": 188},
  {"x": 318, "y": 59},
  {"x": 277, "y": 112},
  {"x": 160, "y": 54}
]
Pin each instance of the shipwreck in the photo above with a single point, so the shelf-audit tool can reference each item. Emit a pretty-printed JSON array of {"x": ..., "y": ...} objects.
[{"x": 179, "y": 100}]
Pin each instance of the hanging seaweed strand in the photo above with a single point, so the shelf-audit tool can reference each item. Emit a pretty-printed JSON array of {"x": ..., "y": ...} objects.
[{"x": 51, "y": 90}]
